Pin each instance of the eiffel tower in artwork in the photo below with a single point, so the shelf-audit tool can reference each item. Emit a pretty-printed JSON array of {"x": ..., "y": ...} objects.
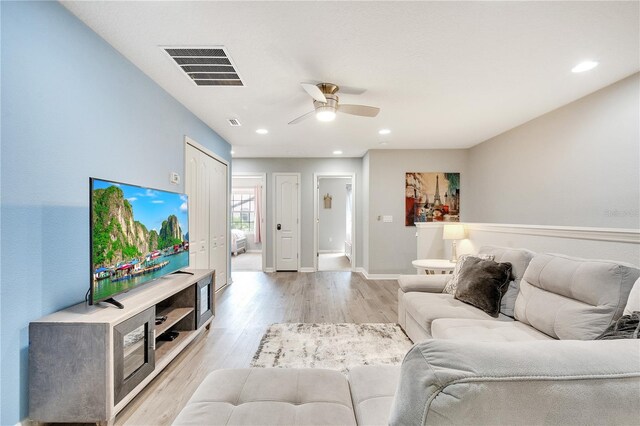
[{"x": 436, "y": 198}]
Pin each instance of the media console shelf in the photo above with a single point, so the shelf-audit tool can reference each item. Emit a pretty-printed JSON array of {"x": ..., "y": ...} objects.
[{"x": 86, "y": 363}]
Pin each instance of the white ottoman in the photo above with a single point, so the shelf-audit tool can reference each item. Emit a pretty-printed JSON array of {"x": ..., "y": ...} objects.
[{"x": 270, "y": 396}]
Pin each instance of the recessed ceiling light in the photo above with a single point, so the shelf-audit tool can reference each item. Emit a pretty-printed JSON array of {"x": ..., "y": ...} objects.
[
  {"x": 584, "y": 66},
  {"x": 337, "y": 152},
  {"x": 384, "y": 131},
  {"x": 262, "y": 131},
  {"x": 232, "y": 152}
]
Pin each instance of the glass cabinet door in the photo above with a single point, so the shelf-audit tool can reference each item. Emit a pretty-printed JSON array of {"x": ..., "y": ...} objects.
[
  {"x": 205, "y": 300},
  {"x": 133, "y": 352}
]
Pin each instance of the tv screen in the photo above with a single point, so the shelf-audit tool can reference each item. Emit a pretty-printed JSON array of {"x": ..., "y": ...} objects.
[{"x": 137, "y": 235}]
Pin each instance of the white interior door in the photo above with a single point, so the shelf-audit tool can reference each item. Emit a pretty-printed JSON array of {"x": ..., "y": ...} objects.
[{"x": 287, "y": 221}]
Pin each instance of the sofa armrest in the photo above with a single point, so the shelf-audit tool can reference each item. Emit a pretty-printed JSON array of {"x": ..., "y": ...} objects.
[
  {"x": 532, "y": 382},
  {"x": 423, "y": 283}
]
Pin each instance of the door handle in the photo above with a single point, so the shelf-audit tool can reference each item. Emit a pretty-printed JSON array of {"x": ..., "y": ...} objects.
[{"x": 278, "y": 227}]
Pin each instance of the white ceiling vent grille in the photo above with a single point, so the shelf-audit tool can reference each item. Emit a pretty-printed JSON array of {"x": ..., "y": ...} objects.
[
  {"x": 234, "y": 122},
  {"x": 206, "y": 66}
]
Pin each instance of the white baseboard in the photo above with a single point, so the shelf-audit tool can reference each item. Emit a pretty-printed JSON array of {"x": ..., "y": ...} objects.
[
  {"x": 306, "y": 270},
  {"x": 254, "y": 251},
  {"x": 330, "y": 251},
  {"x": 369, "y": 276},
  {"x": 269, "y": 270}
]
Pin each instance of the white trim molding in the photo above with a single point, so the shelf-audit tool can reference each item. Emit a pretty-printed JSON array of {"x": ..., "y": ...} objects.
[
  {"x": 369, "y": 276},
  {"x": 617, "y": 235},
  {"x": 306, "y": 269}
]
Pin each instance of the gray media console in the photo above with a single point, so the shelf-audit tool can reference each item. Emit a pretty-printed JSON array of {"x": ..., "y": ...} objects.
[{"x": 87, "y": 362}]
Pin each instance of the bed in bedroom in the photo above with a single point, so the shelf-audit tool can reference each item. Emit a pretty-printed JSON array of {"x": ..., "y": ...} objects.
[{"x": 238, "y": 241}]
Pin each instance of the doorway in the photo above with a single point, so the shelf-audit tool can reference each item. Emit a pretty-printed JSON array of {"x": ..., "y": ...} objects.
[
  {"x": 247, "y": 222},
  {"x": 334, "y": 232}
]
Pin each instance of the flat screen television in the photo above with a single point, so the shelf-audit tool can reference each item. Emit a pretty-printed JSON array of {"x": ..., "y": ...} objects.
[{"x": 137, "y": 235}]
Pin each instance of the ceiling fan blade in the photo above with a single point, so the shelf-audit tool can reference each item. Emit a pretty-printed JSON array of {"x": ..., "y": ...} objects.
[
  {"x": 347, "y": 90},
  {"x": 362, "y": 110},
  {"x": 314, "y": 92},
  {"x": 302, "y": 117},
  {"x": 350, "y": 90}
]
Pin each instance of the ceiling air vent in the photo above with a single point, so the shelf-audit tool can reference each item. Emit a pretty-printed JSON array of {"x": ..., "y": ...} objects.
[
  {"x": 206, "y": 66},
  {"x": 234, "y": 122}
]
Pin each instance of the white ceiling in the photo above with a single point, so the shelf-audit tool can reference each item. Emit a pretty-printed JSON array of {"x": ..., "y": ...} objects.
[{"x": 445, "y": 74}]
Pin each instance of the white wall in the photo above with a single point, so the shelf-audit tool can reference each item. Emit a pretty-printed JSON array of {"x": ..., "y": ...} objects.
[
  {"x": 392, "y": 246},
  {"x": 332, "y": 228},
  {"x": 575, "y": 166},
  {"x": 307, "y": 167}
]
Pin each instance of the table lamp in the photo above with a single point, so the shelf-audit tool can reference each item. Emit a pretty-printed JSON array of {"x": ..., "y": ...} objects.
[{"x": 454, "y": 232}]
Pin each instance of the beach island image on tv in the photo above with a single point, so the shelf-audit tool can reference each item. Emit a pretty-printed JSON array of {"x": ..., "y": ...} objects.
[{"x": 137, "y": 234}]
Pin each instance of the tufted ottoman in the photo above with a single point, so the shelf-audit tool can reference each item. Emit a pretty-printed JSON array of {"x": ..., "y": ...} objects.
[{"x": 270, "y": 396}]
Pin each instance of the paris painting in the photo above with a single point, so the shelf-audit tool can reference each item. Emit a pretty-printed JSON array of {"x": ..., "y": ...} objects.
[{"x": 432, "y": 197}]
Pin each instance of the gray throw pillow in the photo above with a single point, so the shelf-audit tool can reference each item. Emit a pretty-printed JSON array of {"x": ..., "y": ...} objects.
[
  {"x": 482, "y": 283},
  {"x": 627, "y": 327},
  {"x": 452, "y": 284}
]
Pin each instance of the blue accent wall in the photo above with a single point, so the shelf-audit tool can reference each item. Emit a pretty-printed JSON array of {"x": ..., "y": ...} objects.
[{"x": 72, "y": 107}]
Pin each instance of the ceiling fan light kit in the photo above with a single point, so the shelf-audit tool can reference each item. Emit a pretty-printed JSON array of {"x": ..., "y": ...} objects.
[
  {"x": 325, "y": 113},
  {"x": 326, "y": 104}
]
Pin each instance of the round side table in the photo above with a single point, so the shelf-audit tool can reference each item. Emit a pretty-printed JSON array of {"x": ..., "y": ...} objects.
[{"x": 434, "y": 266}]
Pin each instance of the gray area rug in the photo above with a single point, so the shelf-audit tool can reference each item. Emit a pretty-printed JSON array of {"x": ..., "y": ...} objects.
[{"x": 333, "y": 346}]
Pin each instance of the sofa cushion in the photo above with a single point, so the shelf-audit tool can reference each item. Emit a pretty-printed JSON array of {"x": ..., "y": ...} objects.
[
  {"x": 426, "y": 307},
  {"x": 633, "y": 302},
  {"x": 372, "y": 392},
  {"x": 259, "y": 396},
  {"x": 484, "y": 330},
  {"x": 572, "y": 298},
  {"x": 482, "y": 284},
  {"x": 519, "y": 260},
  {"x": 519, "y": 383},
  {"x": 428, "y": 283}
]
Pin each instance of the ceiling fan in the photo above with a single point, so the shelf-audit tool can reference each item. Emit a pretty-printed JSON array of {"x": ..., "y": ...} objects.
[{"x": 325, "y": 102}]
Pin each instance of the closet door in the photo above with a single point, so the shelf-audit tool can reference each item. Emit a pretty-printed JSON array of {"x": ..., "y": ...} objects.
[
  {"x": 207, "y": 187},
  {"x": 197, "y": 186},
  {"x": 218, "y": 208}
]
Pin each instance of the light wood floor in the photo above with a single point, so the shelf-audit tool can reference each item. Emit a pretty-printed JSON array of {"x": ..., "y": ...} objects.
[{"x": 244, "y": 310}]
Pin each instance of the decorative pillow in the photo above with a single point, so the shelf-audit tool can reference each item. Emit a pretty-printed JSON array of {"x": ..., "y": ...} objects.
[
  {"x": 627, "y": 327},
  {"x": 452, "y": 284},
  {"x": 482, "y": 283}
]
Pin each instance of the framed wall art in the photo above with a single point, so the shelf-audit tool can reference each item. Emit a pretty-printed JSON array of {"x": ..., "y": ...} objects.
[{"x": 432, "y": 197}]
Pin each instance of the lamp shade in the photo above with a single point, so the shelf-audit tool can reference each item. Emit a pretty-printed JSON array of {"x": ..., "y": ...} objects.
[{"x": 454, "y": 232}]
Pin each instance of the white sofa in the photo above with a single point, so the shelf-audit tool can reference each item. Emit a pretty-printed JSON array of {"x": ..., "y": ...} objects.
[
  {"x": 421, "y": 300},
  {"x": 539, "y": 368}
]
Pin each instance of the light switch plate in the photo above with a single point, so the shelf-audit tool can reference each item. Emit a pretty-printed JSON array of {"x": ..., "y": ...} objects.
[
  {"x": 387, "y": 219},
  {"x": 174, "y": 178}
]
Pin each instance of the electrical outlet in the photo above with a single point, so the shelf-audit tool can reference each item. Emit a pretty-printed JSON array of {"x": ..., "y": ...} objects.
[{"x": 174, "y": 178}]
